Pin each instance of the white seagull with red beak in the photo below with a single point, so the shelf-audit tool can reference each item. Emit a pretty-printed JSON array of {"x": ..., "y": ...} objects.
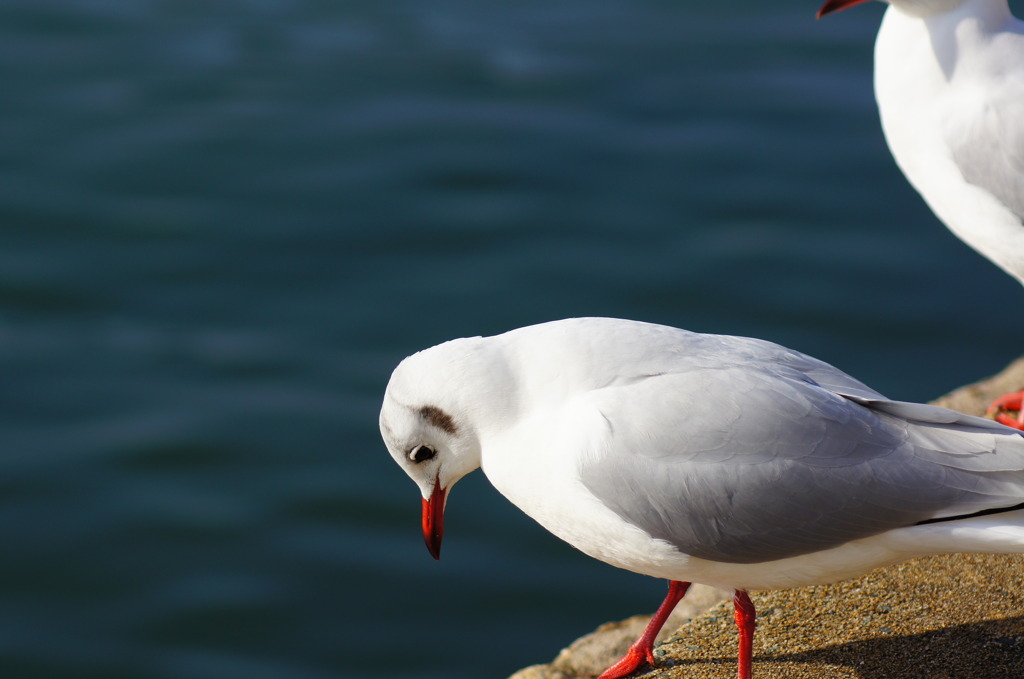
[
  {"x": 949, "y": 80},
  {"x": 722, "y": 460}
]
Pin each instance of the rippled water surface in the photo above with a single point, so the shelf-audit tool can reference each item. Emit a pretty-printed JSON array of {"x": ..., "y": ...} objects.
[{"x": 223, "y": 224}]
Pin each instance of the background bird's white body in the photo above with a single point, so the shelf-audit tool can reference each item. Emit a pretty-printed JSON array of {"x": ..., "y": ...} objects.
[{"x": 950, "y": 89}]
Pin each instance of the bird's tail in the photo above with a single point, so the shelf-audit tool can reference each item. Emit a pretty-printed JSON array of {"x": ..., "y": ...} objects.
[{"x": 1001, "y": 533}]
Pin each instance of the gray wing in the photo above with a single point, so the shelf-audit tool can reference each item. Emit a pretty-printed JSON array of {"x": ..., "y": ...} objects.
[
  {"x": 742, "y": 465},
  {"x": 987, "y": 140}
]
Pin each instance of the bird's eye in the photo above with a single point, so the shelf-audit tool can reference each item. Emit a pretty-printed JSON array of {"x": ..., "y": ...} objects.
[{"x": 422, "y": 454}]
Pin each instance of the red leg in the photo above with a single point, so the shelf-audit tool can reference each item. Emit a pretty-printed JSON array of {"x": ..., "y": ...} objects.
[
  {"x": 1002, "y": 406},
  {"x": 643, "y": 648},
  {"x": 746, "y": 621}
]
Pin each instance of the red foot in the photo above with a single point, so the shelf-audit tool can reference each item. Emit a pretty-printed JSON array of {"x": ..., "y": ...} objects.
[
  {"x": 628, "y": 663},
  {"x": 643, "y": 648},
  {"x": 1002, "y": 406}
]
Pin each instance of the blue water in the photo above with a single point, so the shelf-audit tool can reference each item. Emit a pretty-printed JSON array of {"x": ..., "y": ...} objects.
[{"x": 224, "y": 223}]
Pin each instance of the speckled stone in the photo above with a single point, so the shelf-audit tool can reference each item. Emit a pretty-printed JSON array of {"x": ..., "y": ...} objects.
[{"x": 958, "y": 615}]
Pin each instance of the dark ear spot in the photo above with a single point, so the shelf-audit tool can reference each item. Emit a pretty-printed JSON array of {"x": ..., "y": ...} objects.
[{"x": 439, "y": 419}]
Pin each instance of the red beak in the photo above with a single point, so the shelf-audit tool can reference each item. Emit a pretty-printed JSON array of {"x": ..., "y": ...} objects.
[
  {"x": 836, "y": 5},
  {"x": 433, "y": 519}
]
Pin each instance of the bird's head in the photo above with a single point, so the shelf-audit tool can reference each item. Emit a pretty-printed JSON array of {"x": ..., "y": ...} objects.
[
  {"x": 428, "y": 427},
  {"x": 836, "y": 6},
  {"x": 918, "y": 8}
]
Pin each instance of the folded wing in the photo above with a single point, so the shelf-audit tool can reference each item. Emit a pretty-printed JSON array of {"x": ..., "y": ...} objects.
[{"x": 754, "y": 462}]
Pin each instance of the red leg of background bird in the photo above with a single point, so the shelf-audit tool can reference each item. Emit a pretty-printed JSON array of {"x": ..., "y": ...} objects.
[
  {"x": 746, "y": 621},
  {"x": 643, "y": 648},
  {"x": 1001, "y": 406}
]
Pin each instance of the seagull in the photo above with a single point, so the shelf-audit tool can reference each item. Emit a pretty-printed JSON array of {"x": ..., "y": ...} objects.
[
  {"x": 949, "y": 80},
  {"x": 728, "y": 461}
]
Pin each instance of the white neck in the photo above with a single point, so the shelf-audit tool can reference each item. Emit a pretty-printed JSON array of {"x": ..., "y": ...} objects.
[{"x": 985, "y": 10}]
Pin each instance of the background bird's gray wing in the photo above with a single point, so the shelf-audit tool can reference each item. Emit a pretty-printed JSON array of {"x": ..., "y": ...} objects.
[
  {"x": 988, "y": 140},
  {"x": 742, "y": 465}
]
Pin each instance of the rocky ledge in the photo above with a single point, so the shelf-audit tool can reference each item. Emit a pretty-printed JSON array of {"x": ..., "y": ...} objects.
[{"x": 958, "y": 616}]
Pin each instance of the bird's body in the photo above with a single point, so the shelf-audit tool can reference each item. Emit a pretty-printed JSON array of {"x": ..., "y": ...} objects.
[
  {"x": 949, "y": 81},
  {"x": 728, "y": 461},
  {"x": 950, "y": 92}
]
